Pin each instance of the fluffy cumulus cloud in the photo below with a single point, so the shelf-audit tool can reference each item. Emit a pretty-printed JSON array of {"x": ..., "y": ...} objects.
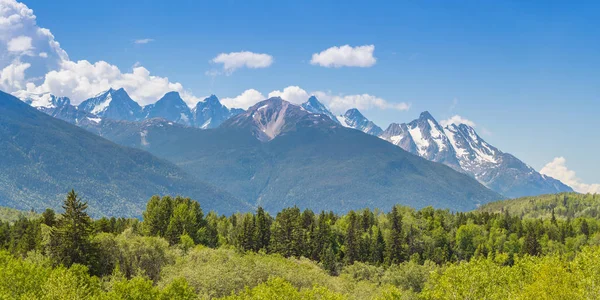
[
  {"x": 345, "y": 56},
  {"x": 338, "y": 104},
  {"x": 20, "y": 44},
  {"x": 244, "y": 100},
  {"x": 558, "y": 169},
  {"x": 293, "y": 94},
  {"x": 236, "y": 60},
  {"x": 34, "y": 62},
  {"x": 457, "y": 120}
]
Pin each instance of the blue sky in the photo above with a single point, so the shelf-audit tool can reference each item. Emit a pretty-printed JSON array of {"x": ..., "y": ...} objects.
[{"x": 526, "y": 72}]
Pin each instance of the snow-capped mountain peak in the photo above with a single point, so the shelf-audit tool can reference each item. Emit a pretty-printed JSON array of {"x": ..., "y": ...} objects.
[
  {"x": 210, "y": 113},
  {"x": 353, "y": 118},
  {"x": 113, "y": 104},
  {"x": 170, "y": 107},
  {"x": 430, "y": 141},
  {"x": 461, "y": 148},
  {"x": 46, "y": 100},
  {"x": 313, "y": 105},
  {"x": 272, "y": 117}
]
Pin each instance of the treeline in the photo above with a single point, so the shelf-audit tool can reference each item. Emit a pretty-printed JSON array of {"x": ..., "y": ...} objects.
[
  {"x": 563, "y": 205},
  {"x": 368, "y": 253},
  {"x": 369, "y": 236}
]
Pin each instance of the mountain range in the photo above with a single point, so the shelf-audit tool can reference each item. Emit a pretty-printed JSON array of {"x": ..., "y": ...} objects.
[
  {"x": 117, "y": 105},
  {"x": 457, "y": 146},
  {"x": 277, "y": 154},
  {"x": 43, "y": 158}
]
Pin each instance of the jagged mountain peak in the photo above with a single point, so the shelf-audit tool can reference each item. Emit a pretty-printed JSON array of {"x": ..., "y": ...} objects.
[
  {"x": 113, "y": 104},
  {"x": 212, "y": 100},
  {"x": 353, "y": 118},
  {"x": 211, "y": 113},
  {"x": 45, "y": 100},
  {"x": 460, "y": 147},
  {"x": 170, "y": 107},
  {"x": 272, "y": 117},
  {"x": 313, "y": 105}
]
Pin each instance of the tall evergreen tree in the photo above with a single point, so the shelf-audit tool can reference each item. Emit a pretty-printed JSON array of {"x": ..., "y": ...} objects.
[
  {"x": 395, "y": 248},
  {"x": 287, "y": 233},
  {"x": 70, "y": 241},
  {"x": 247, "y": 236},
  {"x": 263, "y": 229},
  {"x": 352, "y": 240},
  {"x": 377, "y": 247}
]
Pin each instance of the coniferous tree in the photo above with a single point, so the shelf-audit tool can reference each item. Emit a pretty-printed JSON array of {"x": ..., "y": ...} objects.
[
  {"x": 377, "y": 248},
  {"x": 70, "y": 241},
  {"x": 531, "y": 245},
  {"x": 157, "y": 215},
  {"x": 247, "y": 236},
  {"x": 584, "y": 228},
  {"x": 263, "y": 229},
  {"x": 322, "y": 236},
  {"x": 329, "y": 260},
  {"x": 287, "y": 233},
  {"x": 352, "y": 244},
  {"x": 49, "y": 217},
  {"x": 395, "y": 248},
  {"x": 25, "y": 236}
]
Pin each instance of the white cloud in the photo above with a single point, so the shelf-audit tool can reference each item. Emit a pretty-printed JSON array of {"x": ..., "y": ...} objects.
[
  {"x": 235, "y": 60},
  {"x": 13, "y": 76},
  {"x": 557, "y": 169},
  {"x": 81, "y": 80},
  {"x": 19, "y": 44},
  {"x": 293, "y": 94},
  {"x": 340, "y": 103},
  {"x": 345, "y": 56},
  {"x": 52, "y": 71},
  {"x": 457, "y": 120},
  {"x": 143, "y": 41},
  {"x": 245, "y": 100}
]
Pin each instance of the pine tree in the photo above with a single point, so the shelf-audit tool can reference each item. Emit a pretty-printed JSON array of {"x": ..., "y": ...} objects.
[
  {"x": 395, "y": 249},
  {"x": 351, "y": 245},
  {"x": 287, "y": 233},
  {"x": 70, "y": 241},
  {"x": 377, "y": 247},
  {"x": 157, "y": 215},
  {"x": 584, "y": 227},
  {"x": 322, "y": 237},
  {"x": 263, "y": 229},
  {"x": 531, "y": 245},
  {"x": 329, "y": 261},
  {"x": 49, "y": 217},
  {"x": 247, "y": 237}
]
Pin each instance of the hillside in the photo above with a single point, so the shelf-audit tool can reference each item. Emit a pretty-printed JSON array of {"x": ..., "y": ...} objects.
[
  {"x": 300, "y": 159},
  {"x": 565, "y": 205},
  {"x": 43, "y": 158}
]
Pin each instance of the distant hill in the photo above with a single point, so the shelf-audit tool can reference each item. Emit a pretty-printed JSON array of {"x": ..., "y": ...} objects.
[
  {"x": 278, "y": 155},
  {"x": 565, "y": 205},
  {"x": 42, "y": 158},
  {"x": 10, "y": 214}
]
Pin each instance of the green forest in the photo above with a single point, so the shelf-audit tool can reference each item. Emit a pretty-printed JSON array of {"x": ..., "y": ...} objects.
[{"x": 545, "y": 247}]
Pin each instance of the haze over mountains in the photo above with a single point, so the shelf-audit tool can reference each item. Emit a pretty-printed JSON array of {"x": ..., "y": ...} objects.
[
  {"x": 43, "y": 158},
  {"x": 278, "y": 154}
]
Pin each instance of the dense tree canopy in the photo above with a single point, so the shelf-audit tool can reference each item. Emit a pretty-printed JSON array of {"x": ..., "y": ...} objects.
[{"x": 515, "y": 249}]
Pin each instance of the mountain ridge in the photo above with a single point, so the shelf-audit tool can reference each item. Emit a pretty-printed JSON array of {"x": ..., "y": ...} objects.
[{"x": 44, "y": 157}]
